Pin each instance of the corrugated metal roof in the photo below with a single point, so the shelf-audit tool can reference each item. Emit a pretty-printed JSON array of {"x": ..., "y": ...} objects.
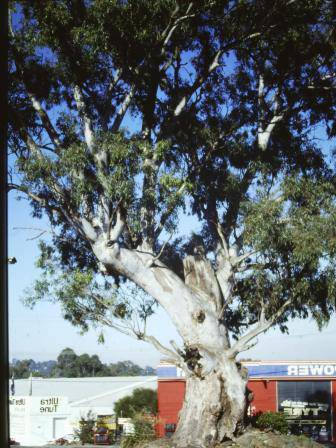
[{"x": 93, "y": 391}]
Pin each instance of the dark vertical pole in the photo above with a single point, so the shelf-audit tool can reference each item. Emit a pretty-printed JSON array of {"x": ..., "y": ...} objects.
[{"x": 4, "y": 414}]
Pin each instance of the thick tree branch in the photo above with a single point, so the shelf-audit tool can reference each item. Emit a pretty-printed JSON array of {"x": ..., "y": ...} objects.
[
  {"x": 223, "y": 239},
  {"x": 123, "y": 109},
  {"x": 88, "y": 229},
  {"x": 89, "y": 136},
  {"x": 173, "y": 24},
  {"x": 45, "y": 120},
  {"x": 197, "y": 83},
  {"x": 158, "y": 256},
  {"x": 162, "y": 349},
  {"x": 116, "y": 231},
  {"x": 39, "y": 199},
  {"x": 85, "y": 118},
  {"x": 265, "y": 131},
  {"x": 234, "y": 205},
  {"x": 262, "y": 326},
  {"x": 214, "y": 64},
  {"x": 109, "y": 96},
  {"x": 330, "y": 77},
  {"x": 116, "y": 78},
  {"x": 22, "y": 131},
  {"x": 238, "y": 260},
  {"x": 51, "y": 131},
  {"x": 83, "y": 226},
  {"x": 265, "y": 135}
]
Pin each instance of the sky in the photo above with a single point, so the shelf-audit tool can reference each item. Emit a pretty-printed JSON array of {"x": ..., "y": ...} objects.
[{"x": 42, "y": 333}]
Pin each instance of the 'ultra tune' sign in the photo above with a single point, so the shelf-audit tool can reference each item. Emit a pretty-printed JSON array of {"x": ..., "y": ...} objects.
[{"x": 293, "y": 370}]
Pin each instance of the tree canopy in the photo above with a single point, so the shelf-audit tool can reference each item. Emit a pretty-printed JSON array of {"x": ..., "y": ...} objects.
[
  {"x": 127, "y": 115},
  {"x": 141, "y": 400},
  {"x": 69, "y": 364}
]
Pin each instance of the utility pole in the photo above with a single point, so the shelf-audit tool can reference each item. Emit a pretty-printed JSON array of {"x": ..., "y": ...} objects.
[
  {"x": 12, "y": 384},
  {"x": 30, "y": 384}
]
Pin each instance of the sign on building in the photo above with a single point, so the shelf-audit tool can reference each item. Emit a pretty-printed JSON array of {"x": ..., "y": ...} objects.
[{"x": 35, "y": 420}]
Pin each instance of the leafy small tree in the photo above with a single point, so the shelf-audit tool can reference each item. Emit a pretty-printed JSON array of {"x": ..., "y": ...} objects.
[
  {"x": 142, "y": 400},
  {"x": 85, "y": 432},
  {"x": 127, "y": 116}
]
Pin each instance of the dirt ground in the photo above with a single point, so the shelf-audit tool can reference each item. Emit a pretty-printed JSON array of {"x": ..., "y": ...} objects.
[{"x": 253, "y": 439}]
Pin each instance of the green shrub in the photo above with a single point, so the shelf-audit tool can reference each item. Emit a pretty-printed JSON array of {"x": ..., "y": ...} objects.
[
  {"x": 272, "y": 421},
  {"x": 142, "y": 400},
  {"x": 86, "y": 429},
  {"x": 144, "y": 431}
]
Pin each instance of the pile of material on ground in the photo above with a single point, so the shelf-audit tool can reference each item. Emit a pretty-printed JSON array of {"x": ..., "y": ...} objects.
[{"x": 250, "y": 439}]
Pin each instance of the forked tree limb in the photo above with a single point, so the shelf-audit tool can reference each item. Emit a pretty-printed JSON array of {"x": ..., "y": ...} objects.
[{"x": 263, "y": 325}]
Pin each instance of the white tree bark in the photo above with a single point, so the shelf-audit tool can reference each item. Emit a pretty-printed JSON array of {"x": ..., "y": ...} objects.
[
  {"x": 215, "y": 400},
  {"x": 214, "y": 407},
  {"x": 265, "y": 135},
  {"x": 185, "y": 307},
  {"x": 86, "y": 120}
]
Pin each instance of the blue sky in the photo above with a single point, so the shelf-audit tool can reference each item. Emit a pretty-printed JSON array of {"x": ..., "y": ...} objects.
[{"x": 42, "y": 333}]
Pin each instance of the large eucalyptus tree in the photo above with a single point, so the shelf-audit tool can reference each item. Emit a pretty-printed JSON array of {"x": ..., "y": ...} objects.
[{"x": 126, "y": 115}]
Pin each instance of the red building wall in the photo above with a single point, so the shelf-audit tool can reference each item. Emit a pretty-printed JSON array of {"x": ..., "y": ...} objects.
[
  {"x": 170, "y": 400},
  {"x": 171, "y": 395},
  {"x": 264, "y": 395}
]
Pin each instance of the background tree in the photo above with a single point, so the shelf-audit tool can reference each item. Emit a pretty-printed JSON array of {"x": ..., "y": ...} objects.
[
  {"x": 91, "y": 365},
  {"x": 125, "y": 115},
  {"x": 69, "y": 364},
  {"x": 128, "y": 368},
  {"x": 141, "y": 401},
  {"x": 22, "y": 368},
  {"x": 66, "y": 364}
]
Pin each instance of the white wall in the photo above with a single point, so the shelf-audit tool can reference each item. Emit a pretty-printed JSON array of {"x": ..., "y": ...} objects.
[{"x": 32, "y": 418}]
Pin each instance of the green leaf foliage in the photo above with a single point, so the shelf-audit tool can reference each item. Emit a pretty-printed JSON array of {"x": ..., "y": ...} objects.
[
  {"x": 140, "y": 401},
  {"x": 85, "y": 432},
  {"x": 272, "y": 421}
]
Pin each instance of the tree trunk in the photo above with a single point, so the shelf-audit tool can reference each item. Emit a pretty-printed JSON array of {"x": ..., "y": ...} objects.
[
  {"x": 215, "y": 400},
  {"x": 214, "y": 407}
]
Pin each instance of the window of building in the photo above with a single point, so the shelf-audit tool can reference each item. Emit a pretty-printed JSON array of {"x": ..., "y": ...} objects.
[
  {"x": 170, "y": 429},
  {"x": 307, "y": 405}
]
